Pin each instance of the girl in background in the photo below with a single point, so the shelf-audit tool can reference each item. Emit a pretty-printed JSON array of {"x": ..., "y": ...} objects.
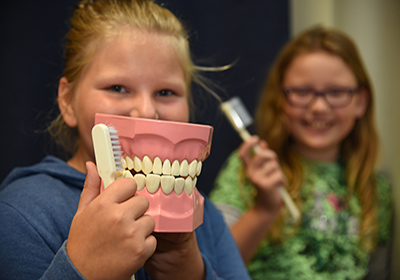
[
  {"x": 316, "y": 136},
  {"x": 128, "y": 58}
]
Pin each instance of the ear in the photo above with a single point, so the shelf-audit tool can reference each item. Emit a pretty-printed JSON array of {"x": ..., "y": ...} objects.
[
  {"x": 65, "y": 102},
  {"x": 362, "y": 103}
]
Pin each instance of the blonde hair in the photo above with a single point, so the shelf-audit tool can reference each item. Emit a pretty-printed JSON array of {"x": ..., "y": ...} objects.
[
  {"x": 95, "y": 21},
  {"x": 359, "y": 150}
]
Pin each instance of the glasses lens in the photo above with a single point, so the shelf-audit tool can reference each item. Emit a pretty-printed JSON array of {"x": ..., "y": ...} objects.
[
  {"x": 338, "y": 97},
  {"x": 299, "y": 96}
]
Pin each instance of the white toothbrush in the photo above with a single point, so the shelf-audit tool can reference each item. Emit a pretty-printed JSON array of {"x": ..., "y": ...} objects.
[
  {"x": 108, "y": 154},
  {"x": 107, "y": 150},
  {"x": 239, "y": 118}
]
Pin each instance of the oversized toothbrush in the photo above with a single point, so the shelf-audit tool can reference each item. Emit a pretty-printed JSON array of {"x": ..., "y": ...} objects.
[{"x": 239, "y": 118}]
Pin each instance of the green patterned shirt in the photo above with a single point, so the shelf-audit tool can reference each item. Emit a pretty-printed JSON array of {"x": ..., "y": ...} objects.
[{"x": 326, "y": 247}]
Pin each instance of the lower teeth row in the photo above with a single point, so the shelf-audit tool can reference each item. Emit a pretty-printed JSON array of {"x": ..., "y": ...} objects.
[{"x": 167, "y": 182}]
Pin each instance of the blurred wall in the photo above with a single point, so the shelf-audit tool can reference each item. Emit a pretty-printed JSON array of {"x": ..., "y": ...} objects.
[{"x": 374, "y": 25}]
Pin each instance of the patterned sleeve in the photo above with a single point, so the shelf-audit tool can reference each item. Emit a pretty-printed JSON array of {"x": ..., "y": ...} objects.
[{"x": 227, "y": 194}]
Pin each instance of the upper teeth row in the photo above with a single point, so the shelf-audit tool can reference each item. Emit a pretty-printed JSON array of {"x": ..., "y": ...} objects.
[
  {"x": 157, "y": 167},
  {"x": 318, "y": 125}
]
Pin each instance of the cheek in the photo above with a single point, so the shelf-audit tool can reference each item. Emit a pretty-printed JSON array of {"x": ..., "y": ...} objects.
[
  {"x": 347, "y": 122},
  {"x": 178, "y": 112},
  {"x": 89, "y": 105},
  {"x": 291, "y": 115},
  {"x": 185, "y": 113},
  {"x": 85, "y": 112}
]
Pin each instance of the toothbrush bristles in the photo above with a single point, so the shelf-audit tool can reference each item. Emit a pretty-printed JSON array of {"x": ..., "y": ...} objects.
[{"x": 117, "y": 150}]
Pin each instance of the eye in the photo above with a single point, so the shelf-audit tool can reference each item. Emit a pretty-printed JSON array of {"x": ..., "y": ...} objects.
[
  {"x": 337, "y": 92},
  {"x": 302, "y": 91},
  {"x": 165, "y": 92},
  {"x": 118, "y": 88}
]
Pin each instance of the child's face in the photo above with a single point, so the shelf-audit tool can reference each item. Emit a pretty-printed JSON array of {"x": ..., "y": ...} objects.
[
  {"x": 136, "y": 74},
  {"x": 319, "y": 129}
]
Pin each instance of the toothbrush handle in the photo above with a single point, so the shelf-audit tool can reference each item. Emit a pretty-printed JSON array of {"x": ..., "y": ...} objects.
[
  {"x": 103, "y": 154},
  {"x": 244, "y": 134},
  {"x": 284, "y": 194},
  {"x": 290, "y": 204}
]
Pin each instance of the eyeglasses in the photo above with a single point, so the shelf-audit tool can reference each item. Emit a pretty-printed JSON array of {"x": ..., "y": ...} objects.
[{"x": 335, "y": 97}]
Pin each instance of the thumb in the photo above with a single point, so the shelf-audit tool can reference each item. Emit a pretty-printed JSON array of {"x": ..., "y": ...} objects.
[
  {"x": 245, "y": 150},
  {"x": 263, "y": 144},
  {"x": 91, "y": 188}
]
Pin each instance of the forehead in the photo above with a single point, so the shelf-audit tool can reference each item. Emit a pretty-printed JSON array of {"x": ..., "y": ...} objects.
[
  {"x": 319, "y": 68},
  {"x": 132, "y": 43},
  {"x": 137, "y": 53}
]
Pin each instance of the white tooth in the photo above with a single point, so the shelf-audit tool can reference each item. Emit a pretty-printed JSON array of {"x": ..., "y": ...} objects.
[
  {"x": 129, "y": 163},
  {"x": 167, "y": 183},
  {"x": 179, "y": 184},
  {"x": 140, "y": 181},
  {"x": 157, "y": 167},
  {"x": 152, "y": 183},
  {"x": 194, "y": 182},
  {"x": 137, "y": 164},
  {"x": 124, "y": 165},
  {"x": 119, "y": 174},
  {"x": 127, "y": 174},
  {"x": 319, "y": 125},
  {"x": 184, "y": 170},
  {"x": 199, "y": 166},
  {"x": 188, "y": 185},
  {"x": 175, "y": 168},
  {"x": 166, "y": 167},
  {"x": 193, "y": 168},
  {"x": 147, "y": 165}
]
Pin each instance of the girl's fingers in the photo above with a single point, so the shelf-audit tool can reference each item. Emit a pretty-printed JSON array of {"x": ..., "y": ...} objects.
[
  {"x": 146, "y": 222},
  {"x": 263, "y": 144},
  {"x": 270, "y": 167},
  {"x": 136, "y": 206},
  {"x": 277, "y": 179},
  {"x": 91, "y": 188},
  {"x": 121, "y": 190},
  {"x": 173, "y": 241},
  {"x": 144, "y": 228},
  {"x": 151, "y": 245},
  {"x": 246, "y": 150},
  {"x": 262, "y": 157}
]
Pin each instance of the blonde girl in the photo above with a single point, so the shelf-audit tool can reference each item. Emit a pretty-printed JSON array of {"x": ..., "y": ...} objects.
[{"x": 128, "y": 58}]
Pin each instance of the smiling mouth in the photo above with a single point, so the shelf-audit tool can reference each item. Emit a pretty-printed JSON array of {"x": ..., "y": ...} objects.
[{"x": 318, "y": 125}]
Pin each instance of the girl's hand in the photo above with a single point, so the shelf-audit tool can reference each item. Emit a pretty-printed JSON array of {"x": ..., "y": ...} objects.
[
  {"x": 110, "y": 238},
  {"x": 177, "y": 257},
  {"x": 264, "y": 172}
]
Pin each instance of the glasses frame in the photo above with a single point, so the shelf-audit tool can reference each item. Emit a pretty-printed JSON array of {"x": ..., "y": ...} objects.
[{"x": 317, "y": 93}]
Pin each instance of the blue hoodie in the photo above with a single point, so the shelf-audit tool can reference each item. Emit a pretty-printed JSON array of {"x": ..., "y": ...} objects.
[{"x": 37, "y": 204}]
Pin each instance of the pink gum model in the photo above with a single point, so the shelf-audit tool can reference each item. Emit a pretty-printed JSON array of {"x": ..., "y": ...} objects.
[{"x": 167, "y": 140}]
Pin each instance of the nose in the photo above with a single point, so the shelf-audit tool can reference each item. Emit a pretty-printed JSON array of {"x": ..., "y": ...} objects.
[
  {"x": 319, "y": 103},
  {"x": 143, "y": 106}
]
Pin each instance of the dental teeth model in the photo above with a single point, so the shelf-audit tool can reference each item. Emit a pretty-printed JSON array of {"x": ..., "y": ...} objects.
[
  {"x": 164, "y": 158},
  {"x": 178, "y": 176}
]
